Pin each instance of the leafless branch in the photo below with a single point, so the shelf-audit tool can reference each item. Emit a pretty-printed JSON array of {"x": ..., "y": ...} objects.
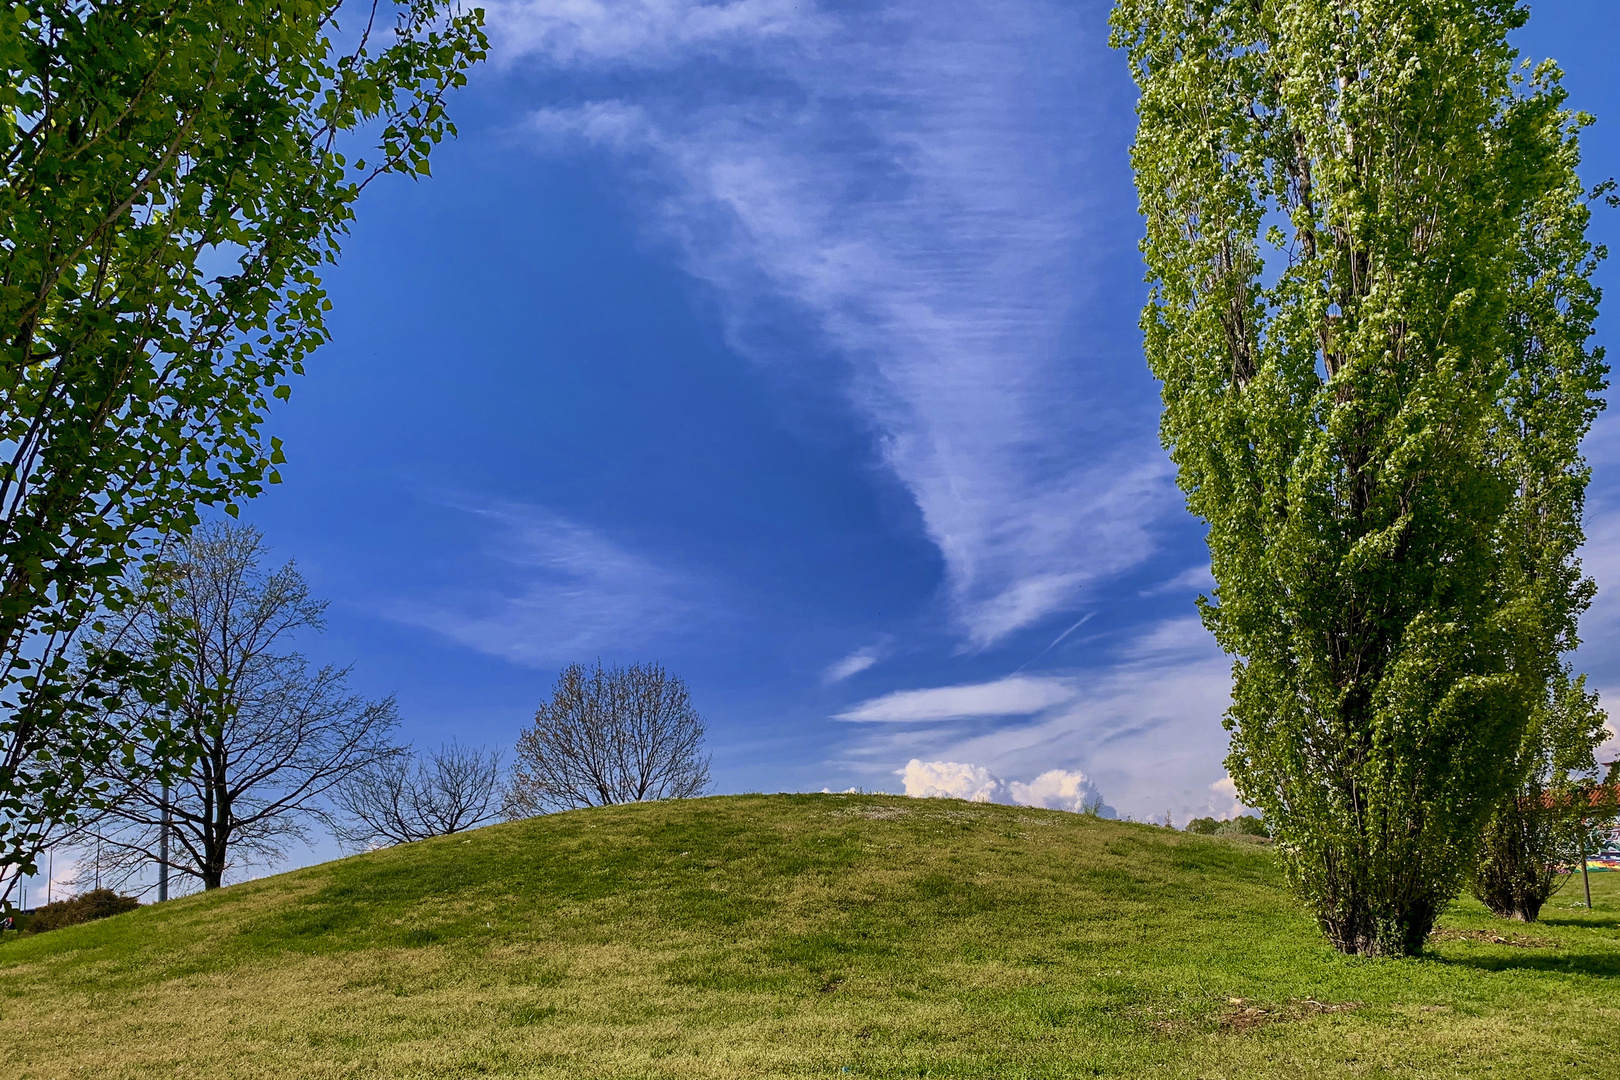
[
  {"x": 609, "y": 735},
  {"x": 271, "y": 736},
  {"x": 452, "y": 789}
]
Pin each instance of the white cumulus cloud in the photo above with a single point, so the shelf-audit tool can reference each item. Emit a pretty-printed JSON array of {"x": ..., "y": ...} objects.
[
  {"x": 1145, "y": 724},
  {"x": 951, "y": 780},
  {"x": 1055, "y": 789},
  {"x": 1059, "y": 789},
  {"x": 1224, "y": 801}
]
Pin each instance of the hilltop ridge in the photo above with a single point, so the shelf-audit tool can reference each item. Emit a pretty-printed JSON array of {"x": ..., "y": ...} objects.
[{"x": 793, "y": 935}]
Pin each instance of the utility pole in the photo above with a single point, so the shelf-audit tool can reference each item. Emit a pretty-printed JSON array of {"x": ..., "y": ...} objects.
[
  {"x": 163, "y": 850},
  {"x": 1586, "y": 882}
]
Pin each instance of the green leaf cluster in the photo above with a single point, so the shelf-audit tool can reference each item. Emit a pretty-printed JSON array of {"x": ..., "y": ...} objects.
[
  {"x": 1370, "y": 311},
  {"x": 172, "y": 177}
]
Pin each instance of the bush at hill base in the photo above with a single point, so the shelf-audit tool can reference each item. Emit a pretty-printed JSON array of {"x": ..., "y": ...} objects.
[
  {"x": 86, "y": 907},
  {"x": 1243, "y": 825}
]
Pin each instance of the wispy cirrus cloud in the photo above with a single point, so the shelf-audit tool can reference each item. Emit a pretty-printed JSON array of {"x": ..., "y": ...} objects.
[
  {"x": 1600, "y": 627},
  {"x": 1017, "y": 695},
  {"x": 916, "y": 179},
  {"x": 856, "y": 662},
  {"x": 1194, "y": 579},
  {"x": 558, "y": 591},
  {"x": 643, "y": 32}
]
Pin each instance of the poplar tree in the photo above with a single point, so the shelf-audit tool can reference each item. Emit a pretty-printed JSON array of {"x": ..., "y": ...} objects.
[{"x": 1370, "y": 309}]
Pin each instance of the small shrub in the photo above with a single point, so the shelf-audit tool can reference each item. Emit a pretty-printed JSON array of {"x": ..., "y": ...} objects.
[
  {"x": 1243, "y": 825},
  {"x": 86, "y": 907}
]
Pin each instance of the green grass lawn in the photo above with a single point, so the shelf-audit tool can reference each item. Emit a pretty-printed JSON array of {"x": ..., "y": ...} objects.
[{"x": 802, "y": 935}]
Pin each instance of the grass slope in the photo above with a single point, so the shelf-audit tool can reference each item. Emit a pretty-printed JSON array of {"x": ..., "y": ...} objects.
[{"x": 803, "y": 935}]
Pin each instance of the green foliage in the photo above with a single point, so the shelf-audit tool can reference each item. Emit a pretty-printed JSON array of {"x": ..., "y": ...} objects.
[
  {"x": 172, "y": 176},
  {"x": 86, "y": 907},
  {"x": 1242, "y": 825},
  {"x": 1370, "y": 308},
  {"x": 1557, "y": 814},
  {"x": 792, "y": 937}
]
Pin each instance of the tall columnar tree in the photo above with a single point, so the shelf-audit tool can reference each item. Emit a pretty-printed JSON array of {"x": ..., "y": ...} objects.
[
  {"x": 1370, "y": 308},
  {"x": 172, "y": 177}
]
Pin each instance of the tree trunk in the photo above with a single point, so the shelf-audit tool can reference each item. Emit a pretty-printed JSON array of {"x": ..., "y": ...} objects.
[{"x": 1364, "y": 932}]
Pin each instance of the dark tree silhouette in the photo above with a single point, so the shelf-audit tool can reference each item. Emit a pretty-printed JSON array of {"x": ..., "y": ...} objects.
[
  {"x": 451, "y": 789},
  {"x": 269, "y": 737}
]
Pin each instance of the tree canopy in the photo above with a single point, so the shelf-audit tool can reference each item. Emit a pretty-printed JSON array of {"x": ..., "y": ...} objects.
[
  {"x": 1370, "y": 311},
  {"x": 172, "y": 177}
]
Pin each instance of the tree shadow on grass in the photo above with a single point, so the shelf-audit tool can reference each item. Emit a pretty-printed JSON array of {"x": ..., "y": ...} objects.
[
  {"x": 1595, "y": 965},
  {"x": 1601, "y": 922}
]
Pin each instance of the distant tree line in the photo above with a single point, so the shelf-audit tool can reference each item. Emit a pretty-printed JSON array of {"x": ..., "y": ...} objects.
[{"x": 1242, "y": 825}]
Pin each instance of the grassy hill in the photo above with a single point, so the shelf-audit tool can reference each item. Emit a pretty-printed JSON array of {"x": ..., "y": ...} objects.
[{"x": 804, "y": 935}]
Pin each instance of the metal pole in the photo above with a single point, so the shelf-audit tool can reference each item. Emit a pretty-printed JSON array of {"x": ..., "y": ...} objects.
[
  {"x": 1585, "y": 881},
  {"x": 50, "y": 872},
  {"x": 163, "y": 850},
  {"x": 98, "y": 860}
]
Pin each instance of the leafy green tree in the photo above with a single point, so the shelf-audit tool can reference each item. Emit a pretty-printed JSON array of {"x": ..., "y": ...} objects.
[
  {"x": 1550, "y": 821},
  {"x": 1371, "y": 302},
  {"x": 172, "y": 177}
]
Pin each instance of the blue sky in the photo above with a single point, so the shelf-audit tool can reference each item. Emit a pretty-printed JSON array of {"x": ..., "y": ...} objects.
[{"x": 794, "y": 345}]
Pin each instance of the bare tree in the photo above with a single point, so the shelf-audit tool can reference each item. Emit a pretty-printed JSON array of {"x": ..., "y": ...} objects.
[
  {"x": 609, "y": 735},
  {"x": 451, "y": 789},
  {"x": 269, "y": 737}
]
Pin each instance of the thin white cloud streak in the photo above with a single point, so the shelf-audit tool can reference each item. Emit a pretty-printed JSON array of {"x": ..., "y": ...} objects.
[
  {"x": 644, "y": 32},
  {"x": 1146, "y": 728},
  {"x": 856, "y": 662},
  {"x": 1599, "y": 654},
  {"x": 1198, "y": 579},
  {"x": 566, "y": 592},
  {"x": 916, "y": 181},
  {"x": 1018, "y": 695}
]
